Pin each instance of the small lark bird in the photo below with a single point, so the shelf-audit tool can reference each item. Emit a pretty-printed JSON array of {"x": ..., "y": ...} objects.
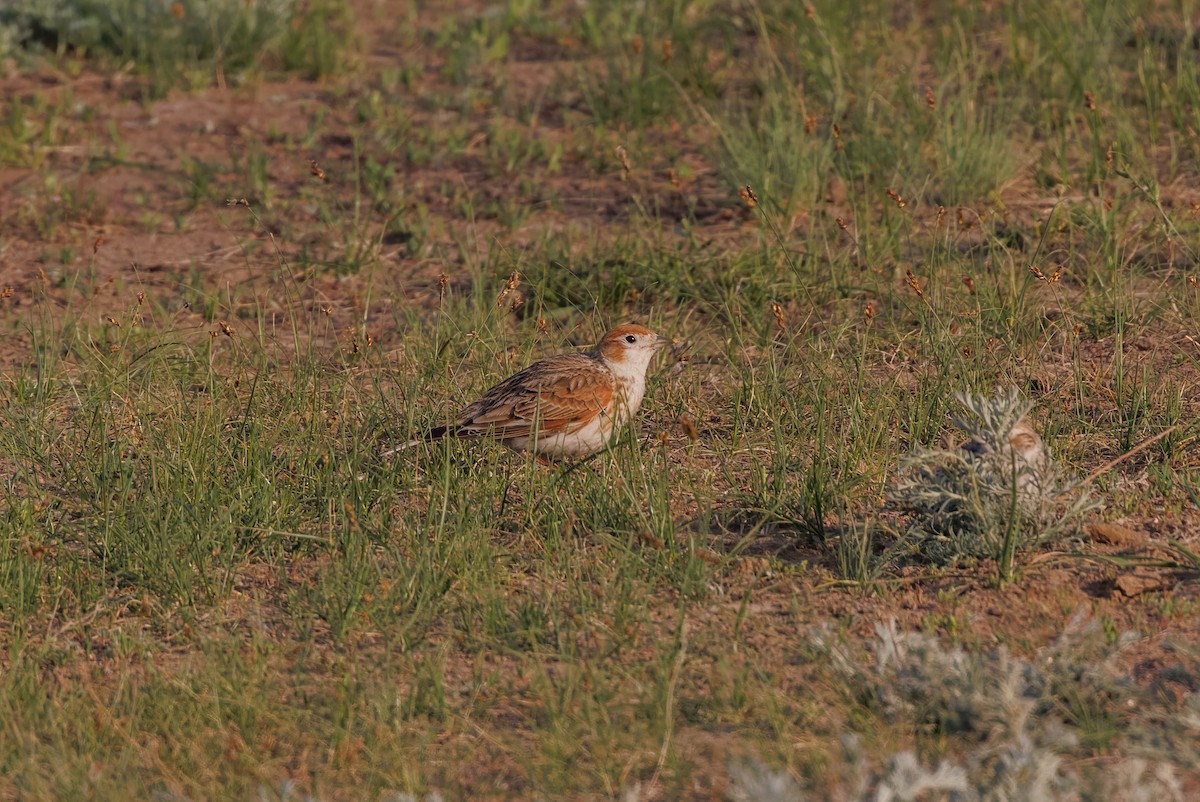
[
  {"x": 569, "y": 405},
  {"x": 1024, "y": 451}
]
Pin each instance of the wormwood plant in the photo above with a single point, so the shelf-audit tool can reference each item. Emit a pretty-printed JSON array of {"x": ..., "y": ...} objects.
[
  {"x": 1019, "y": 726},
  {"x": 996, "y": 496}
]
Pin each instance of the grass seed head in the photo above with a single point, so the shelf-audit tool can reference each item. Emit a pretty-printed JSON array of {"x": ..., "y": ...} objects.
[
  {"x": 911, "y": 281},
  {"x": 748, "y": 197},
  {"x": 623, "y": 158},
  {"x": 1044, "y": 277},
  {"x": 689, "y": 427},
  {"x": 316, "y": 169},
  {"x": 777, "y": 311},
  {"x": 514, "y": 279}
]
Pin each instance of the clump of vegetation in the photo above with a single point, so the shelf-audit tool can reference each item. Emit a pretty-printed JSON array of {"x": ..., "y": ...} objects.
[
  {"x": 997, "y": 495},
  {"x": 1019, "y": 725},
  {"x": 173, "y": 43}
]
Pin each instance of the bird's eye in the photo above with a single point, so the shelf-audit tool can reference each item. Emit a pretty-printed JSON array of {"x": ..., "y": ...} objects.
[{"x": 629, "y": 338}]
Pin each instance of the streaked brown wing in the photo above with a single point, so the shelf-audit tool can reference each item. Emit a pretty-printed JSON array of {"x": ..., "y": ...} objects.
[{"x": 561, "y": 393}]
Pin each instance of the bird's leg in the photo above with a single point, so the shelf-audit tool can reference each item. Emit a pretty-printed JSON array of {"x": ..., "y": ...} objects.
[
  {"x": 507, "y": 487},
  {"x": 563, "y": 474},
  {"x": 579, "y": 463}
]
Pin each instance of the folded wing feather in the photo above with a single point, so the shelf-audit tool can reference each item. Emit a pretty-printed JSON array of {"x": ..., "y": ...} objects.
[{"x": 564, "y": 394}]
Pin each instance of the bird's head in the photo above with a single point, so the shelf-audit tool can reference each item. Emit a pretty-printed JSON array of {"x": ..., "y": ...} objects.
[{"x": 629, "y": 348}]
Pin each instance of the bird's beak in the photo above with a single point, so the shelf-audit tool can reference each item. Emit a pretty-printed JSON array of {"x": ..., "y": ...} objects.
[{"x": 664, "y": 341}]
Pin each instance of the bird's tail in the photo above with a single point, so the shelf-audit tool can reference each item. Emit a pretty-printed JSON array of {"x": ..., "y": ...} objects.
[{"x": 436, "y": 433}]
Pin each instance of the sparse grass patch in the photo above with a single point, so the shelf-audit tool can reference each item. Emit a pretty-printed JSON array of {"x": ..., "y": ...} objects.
[
  {"x": 212, "y": 585},
  {"x": 655, "y": 58}
]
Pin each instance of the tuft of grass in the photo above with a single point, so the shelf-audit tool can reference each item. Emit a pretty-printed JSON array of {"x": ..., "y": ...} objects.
[
  {"x": 656, "y": 59},
  {"x": 191, "y": 44}
]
